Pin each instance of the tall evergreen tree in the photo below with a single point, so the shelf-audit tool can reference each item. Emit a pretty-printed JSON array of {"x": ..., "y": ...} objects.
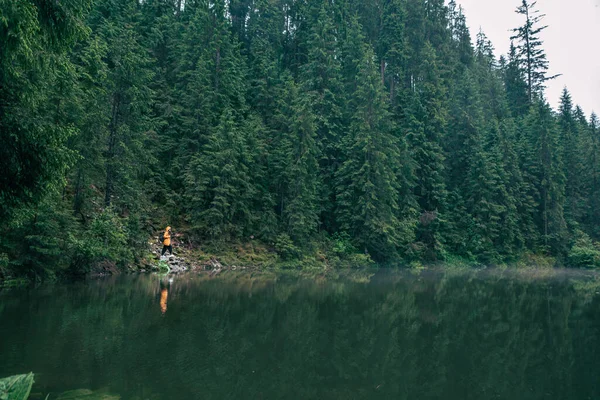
[
  {"x": 547, "y": 171},
  {"x": 425, "y": 120},
  {"x": 297, "y": 165},
  {"x": 391, "y": 46},
  {"x": 515, "y": 84},
  {"x": 572, "y": 157},
  {"x": 93, "y": 120},
  {"x": 594, "y": 167},
  {"x": 321, "y": 77},
  {"x": 129, "y": 96},
  {"x": 530, "y": 54},
  {"x": 220, "y": 187},
  {"x": 461, "y": 35},
  {"x": 472, "y": 175},
  {"x": 35, "y": 38},
  {"x": 367, "y": 182},
  {"x": 265, "y": 48}
]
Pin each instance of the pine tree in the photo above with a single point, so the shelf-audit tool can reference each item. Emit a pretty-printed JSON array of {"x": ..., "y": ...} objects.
[
  {"x": 90, "y": 111},
  {"x": 265, "y": 47},
  {"x": 492, "y": 92},
  {"x": 472, "y": 174},
  {"x": 391, "y": 46},
  {"x": 461, "y": 36},
  {"x": 367, "y": 182},
  {"x": 297, "y": 165},
  {"x": 129, "y": 96},
  {"x": 549, "y": 180},
  {"x": 530, "y": 54},
  {"x": 502, "y": 165},
  {"x": 515, "y": 84},
  {"x": 161, "y": 30},
  {"x": 425, "y": 120},
  {"x": 572, "y": 157},
  {"x": 498, "y": 144},
  {"x": 35, "y": 38},
  {"x": 594, "y": 167},
  {"x": 211, "y": 75},
  {"x": 321, "y": 77},
  {"x": 220, "y": 188}
]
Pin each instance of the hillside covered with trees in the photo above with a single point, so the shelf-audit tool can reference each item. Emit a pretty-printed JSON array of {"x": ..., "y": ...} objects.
[{"x": 379, "y": 128}]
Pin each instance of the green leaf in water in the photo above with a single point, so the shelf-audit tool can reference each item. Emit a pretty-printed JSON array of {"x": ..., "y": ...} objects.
[{"x": 16, "y": 387}]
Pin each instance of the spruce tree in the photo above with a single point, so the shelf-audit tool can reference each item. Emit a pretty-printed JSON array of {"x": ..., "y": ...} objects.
[
  {"x": 572, "y": 157},
  {"x": 499, "y": 146},
  {"x": 367, "y": 182},
  {"x": 129, "y": 97},
  {"x": 594, "y": 167},
  {"x": 425, "y": 120},
  {"x": 472, "y": 172},
  {"x": 530, "y": 54},
  {"x": 265, "y": 48},
  {"x": 296, "y": 163},
  {"x": 546, "y": 168},
  {"x": 391, "y": 46},
  {"x": 35, "y": 37},
  {"x": 515, "y": 84},
  {"x": 321, "y": 77},
  {"x": 461, "y": 35},
  {"x": 219, "y": 182},
  {"x": 89, "y": 108},
  {"x": 211, "y": 75}
]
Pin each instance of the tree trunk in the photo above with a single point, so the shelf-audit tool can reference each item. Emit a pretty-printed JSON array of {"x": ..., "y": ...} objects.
[{"x": 110, "y": 154}]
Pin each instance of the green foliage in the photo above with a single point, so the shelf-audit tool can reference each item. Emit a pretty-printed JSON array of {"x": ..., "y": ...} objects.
[
  {"x": 106, "y": 240},
  {"x": 344, "y": 253},
  {"x": 16, "y": 387},
  {"x": 531, "y": 57},
  {"x": 220, "y": 183},
  {"x": 341, "y": 244},
  {"x": 163, "y": 267},
  {"x": 282, "y": 120},
  {"x": 296, "y": 158},
  {"x": 35, "y": 38},
  {"x": 3, "y": 264},
  {"x": 584, "y": 253},
  {"x": 367, "y": 182},
  {"x": 285, "y": 247}
]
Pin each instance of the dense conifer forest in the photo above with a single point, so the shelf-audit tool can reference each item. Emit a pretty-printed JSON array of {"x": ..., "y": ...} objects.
[{"x": 379, "y": 130}]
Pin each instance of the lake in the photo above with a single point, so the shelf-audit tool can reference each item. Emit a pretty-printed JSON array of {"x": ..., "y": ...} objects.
[{"x": 431, "y": 334}]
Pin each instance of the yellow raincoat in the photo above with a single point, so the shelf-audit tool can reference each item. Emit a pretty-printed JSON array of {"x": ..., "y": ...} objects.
[{"x": 167, "y": 236}]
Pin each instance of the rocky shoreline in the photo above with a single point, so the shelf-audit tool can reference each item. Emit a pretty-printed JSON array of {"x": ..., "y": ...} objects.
[{"x": 179, "y": 264}]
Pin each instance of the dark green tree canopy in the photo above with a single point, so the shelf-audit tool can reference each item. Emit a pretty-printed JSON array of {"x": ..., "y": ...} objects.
[{"x": 322, "y": 130}]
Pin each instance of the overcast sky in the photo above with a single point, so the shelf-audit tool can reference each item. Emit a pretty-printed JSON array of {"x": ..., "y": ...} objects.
[{"x": 571, "y": 42}]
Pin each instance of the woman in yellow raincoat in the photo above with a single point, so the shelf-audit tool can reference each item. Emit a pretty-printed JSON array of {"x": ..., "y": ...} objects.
[{"x": 167, "y": 242}]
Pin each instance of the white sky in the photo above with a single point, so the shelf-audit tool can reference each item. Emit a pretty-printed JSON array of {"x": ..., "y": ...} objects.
[{"x": 571, "y": 42}]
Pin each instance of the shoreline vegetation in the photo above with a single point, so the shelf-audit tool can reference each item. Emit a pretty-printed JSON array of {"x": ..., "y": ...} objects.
[{"x": 283, "y": 135}]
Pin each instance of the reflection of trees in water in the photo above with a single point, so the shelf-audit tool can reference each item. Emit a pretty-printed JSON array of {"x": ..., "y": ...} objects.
[{"x": 401, "y": 336}]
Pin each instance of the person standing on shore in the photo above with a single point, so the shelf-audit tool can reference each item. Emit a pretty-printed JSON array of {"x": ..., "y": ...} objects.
[{"x": 166, "y": 238}]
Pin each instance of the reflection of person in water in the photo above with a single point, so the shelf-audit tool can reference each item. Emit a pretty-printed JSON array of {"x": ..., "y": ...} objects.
[{"x": 165, "y": 284}]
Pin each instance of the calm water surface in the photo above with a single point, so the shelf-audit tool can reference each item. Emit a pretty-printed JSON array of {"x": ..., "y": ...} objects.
[{"x": 401, "y": 335}]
